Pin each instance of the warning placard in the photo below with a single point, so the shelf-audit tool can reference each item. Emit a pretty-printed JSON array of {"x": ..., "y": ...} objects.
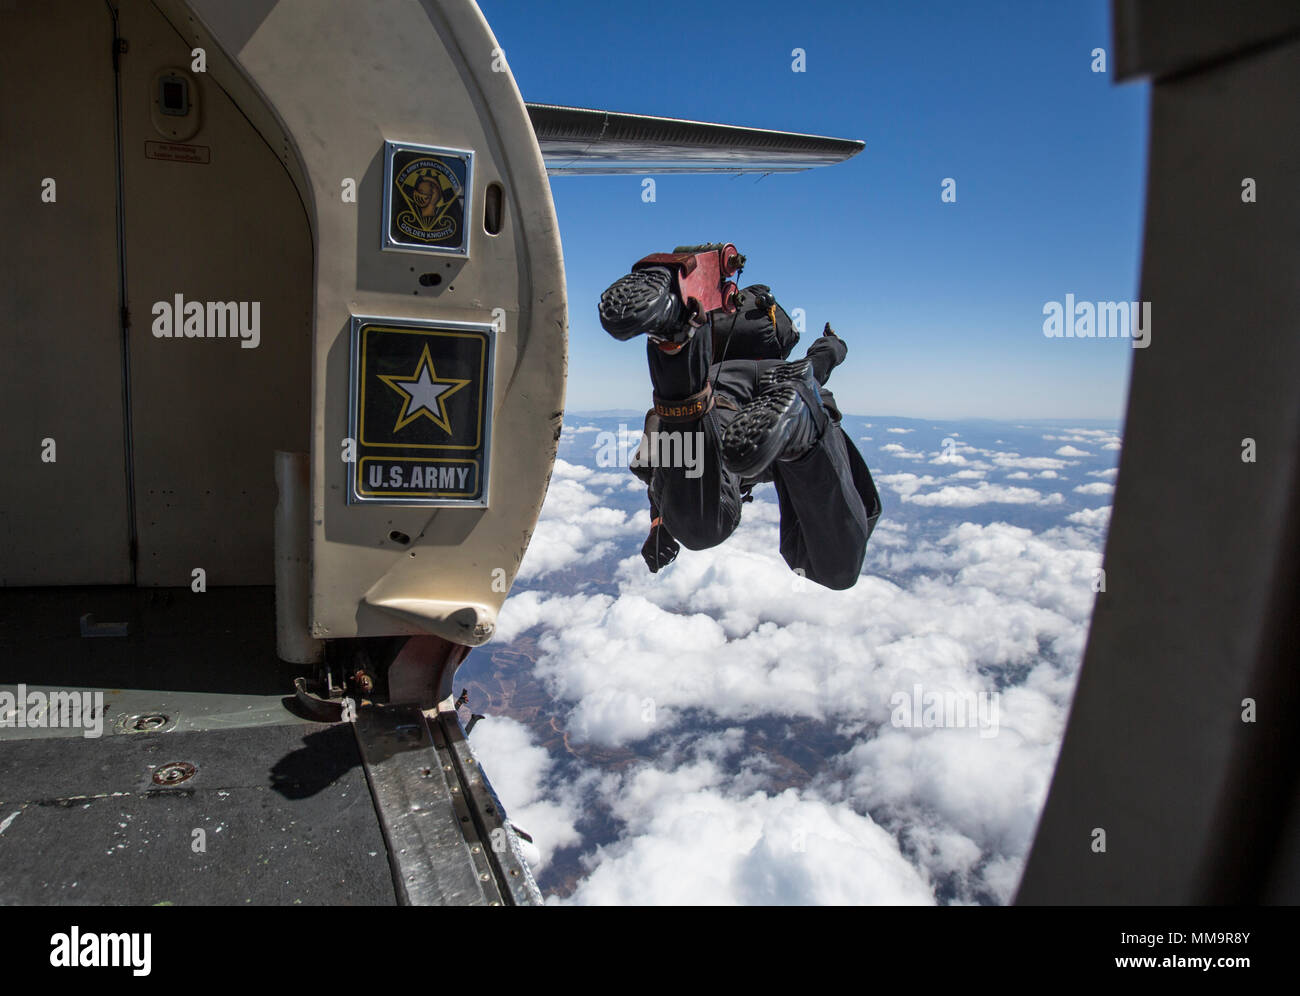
[{"x": 175, "y": 153}]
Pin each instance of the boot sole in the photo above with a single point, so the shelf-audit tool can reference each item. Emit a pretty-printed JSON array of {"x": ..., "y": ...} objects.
[
  {"x": 643, "y": 301},
  {"x": 753, "y": 440},
  {"x": 779, "y": 376}
]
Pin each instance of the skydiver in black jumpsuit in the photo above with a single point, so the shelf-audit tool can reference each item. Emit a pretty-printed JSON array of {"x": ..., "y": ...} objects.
[{"x": 761, "y": 419}]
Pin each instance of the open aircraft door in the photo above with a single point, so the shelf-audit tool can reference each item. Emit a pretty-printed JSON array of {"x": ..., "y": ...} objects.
[
  {"x": 293, "y": 315},
  {"x": 440, "y": 326},
  {"x": 169, "y": 339}
]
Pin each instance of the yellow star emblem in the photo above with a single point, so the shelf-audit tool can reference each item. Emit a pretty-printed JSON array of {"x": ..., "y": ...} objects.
[{"x": 424, "y": 393}]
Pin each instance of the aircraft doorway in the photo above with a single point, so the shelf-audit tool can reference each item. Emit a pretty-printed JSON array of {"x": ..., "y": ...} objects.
[{"x": 166, "y": 434}]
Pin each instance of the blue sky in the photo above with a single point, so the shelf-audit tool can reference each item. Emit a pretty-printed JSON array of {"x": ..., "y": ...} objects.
[{"x": 941, "y": 304}]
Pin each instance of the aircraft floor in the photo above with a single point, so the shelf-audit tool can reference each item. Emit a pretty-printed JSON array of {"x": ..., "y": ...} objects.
[
  {"x": 283, "y": 804},
  {"x": 285, "y": 816}
]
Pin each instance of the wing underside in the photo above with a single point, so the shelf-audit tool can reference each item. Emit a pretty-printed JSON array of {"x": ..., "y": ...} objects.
[{"x": 583, "y": 141}]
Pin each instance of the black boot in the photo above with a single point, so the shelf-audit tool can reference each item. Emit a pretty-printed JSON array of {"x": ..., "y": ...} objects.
[
  {"x": 646, "y": 301},
  {"x": 779, "y": 424}
]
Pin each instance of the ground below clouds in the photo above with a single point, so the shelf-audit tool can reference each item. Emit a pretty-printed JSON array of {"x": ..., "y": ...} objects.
[{"x": 726, "y": 732}]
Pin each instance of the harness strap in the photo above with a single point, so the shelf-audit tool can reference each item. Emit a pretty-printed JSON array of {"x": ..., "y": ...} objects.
[{"x": 686, "y": 409}]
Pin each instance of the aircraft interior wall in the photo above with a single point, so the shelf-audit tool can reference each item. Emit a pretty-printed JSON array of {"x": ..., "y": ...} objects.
[{"x": 166, "y": 440}]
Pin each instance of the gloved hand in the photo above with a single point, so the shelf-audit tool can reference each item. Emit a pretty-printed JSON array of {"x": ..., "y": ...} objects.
[{"x": 659, "y": 549}]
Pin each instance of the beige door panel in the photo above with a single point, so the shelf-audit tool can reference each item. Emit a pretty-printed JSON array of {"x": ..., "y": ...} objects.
[
  {"x": 213, "y": 219},
  {"x": 435, "y": 84},
  {"x": 61, "y": 522}
]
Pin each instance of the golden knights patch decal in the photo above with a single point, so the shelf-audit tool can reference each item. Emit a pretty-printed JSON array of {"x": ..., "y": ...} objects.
[
  {"x": 427, "y": 194},
  {"x": 421, "y": 412}
]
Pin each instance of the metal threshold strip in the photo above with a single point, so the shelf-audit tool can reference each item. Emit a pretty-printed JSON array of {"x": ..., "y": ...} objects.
[{"x": 448, "y": 841}]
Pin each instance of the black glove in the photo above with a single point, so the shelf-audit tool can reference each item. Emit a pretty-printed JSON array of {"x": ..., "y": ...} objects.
[{"x": 660, "y": 549}]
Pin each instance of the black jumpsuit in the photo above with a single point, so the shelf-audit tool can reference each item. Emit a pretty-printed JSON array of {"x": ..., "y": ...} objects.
[{"x": 829, "y": 504}]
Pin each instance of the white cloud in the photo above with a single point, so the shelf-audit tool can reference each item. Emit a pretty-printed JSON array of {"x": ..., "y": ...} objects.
[
  {"x": 957, "y": 458},
  {"x": 1096, "y": 488},
  {"x": 573, "y": 527},
  {"x": 901, "y": 452},
  {"x": 1091, "y": 433},
  {"x": 1109, "y": 475},
  {"x": 983, "y": 594},
  {"x": 1029, "y": 463},
  {"x": 610, "y": 479},
  {"x": 899, "y": 430},
  {"x": 521, "y": 773},
  {"x": 570, "y": 433},
  {"x": 1092, "y": 436},
  {"x": 730, "y": 635},
  {"x": 1072, "y": 451},
  {"x": 962, "y": 807},
  {"x": 907, "y": 484},
  {"x": 909, "y": 487},
  {"x": 959, "y": 799},
  {"x": 1093, "y": 518},
  {"x": 690, "y": 840},
  {"x": 983, "y": 493},
  {"x": 1107, "y": 439}
]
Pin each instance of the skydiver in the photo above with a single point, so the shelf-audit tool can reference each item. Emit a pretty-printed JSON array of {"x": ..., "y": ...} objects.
[{"x": 761, "y": 419}]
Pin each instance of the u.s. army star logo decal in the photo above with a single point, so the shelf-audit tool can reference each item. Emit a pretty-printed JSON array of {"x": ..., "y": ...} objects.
[{"x": 425, "y": 393}]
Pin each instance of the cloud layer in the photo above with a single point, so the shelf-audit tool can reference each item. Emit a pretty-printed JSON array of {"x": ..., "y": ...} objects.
[{"x": 687, "y": 667}]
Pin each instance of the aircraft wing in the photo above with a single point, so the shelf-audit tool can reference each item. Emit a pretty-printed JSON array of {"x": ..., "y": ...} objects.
[{"x": 582, "y": 141}]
